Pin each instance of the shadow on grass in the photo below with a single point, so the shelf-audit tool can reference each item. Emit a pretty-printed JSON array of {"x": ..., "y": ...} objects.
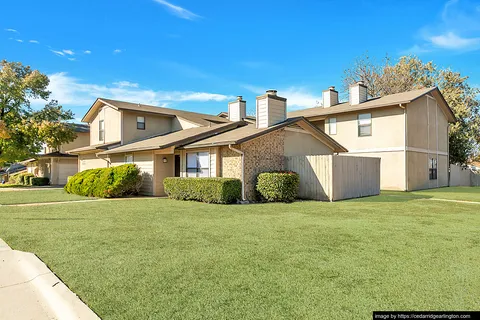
[{"x": 392, "y": 196}]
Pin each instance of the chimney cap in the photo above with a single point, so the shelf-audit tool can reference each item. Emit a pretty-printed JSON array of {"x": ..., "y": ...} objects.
[
  {"x": 239, "y": 98},
  {"x": 271, "y": 92},
  {"x": 331, "y": 88},
  {"x": 359, "y": 83}
]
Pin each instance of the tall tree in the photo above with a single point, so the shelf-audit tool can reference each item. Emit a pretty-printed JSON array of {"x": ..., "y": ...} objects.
[
  {"x": 409, "y": 73},
  {"x": 23, "y": 131}
]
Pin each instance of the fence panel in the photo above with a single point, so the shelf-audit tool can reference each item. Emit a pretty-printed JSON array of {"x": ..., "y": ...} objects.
[
  {"x": 355, "y": 177},
  {"x": 315, "y": 175}
]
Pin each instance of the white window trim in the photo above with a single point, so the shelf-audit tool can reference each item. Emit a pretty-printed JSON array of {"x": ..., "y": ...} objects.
[
  {"x": 144, "y": 123},
  {"x": 330, "y": 131},
  {"x": 364, "y": 125},
  {"x": 126, "y": 156}
]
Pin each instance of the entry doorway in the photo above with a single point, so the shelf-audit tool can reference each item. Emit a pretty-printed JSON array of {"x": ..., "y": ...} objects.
[{"x": 177, "y": 165}]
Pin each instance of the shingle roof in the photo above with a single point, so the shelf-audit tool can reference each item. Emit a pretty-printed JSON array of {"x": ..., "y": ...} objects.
[
  {"x": 385, "y": 101},
  {"x": 94, "y": 147},
  {"x": 80, "y": 127},
  {"x": 56, "y": 154},
  {"x": 249, "y": 132},
  {"x": 176, "y": 139},
  {"x": 198, "y": 118}
]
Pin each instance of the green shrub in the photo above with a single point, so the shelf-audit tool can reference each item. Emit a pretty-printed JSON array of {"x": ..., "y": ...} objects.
[
  {"x": 209, "y": 190},
  {"x": 278, "y": 186},
  {"x": 106, "y": 182},
  {"x": 40, "y": 181},
  {"x": 27, "y": 177}
]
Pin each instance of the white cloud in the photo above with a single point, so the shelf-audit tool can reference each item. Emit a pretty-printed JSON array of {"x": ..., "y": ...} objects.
[
  {"x": 297, "y": 97},
  {"x": 178, "y": 11},
  {"x": 117, "y": 51},
  {"x": 69, "y": 52},
  {"x": 58, "y": 53},
  {"x": 72, "y": 59},
  {"x": 19, "y": 40},
  {"x": 450, "y": 40},
  {"x": 70, "y": 91},
  {"x": 11, "y": 30},
  {"x": 126, "y": 84},
  {"x": 417, "y": 50},
  {"x": 34, "y": 41},
  {"x": 87, "y": 52},
  {"x": 457, "y": 29}
]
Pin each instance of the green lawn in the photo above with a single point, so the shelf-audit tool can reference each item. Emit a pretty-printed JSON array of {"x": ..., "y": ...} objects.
[
  {"x": 163, "y": 259},
  {"x": 34, "y": 196}
]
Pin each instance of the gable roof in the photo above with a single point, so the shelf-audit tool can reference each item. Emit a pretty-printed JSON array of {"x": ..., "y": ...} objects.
[
  {"x": 174, "y": 139},
  {"x": 385, "y": 101},
  {"x": 81, "y": 128},
  {"x": 250, "y": 131},
  {"x": 197, "y": 118}
]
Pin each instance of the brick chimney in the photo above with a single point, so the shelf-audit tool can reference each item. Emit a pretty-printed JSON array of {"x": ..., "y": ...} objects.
[
  {"x": 271, "y": 109},
  {"x": 357, "y": 93},
  {"x": 237, "y": 110},
  {"x": 329, "y": 97}
]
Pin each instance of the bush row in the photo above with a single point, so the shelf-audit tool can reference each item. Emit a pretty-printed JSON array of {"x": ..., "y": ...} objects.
[
  {"x": 28, "y": 179},
  {"x": 106, "y": 182},
  {"x": 279, "y": 186},
  {"x": 209, "y": 190}
]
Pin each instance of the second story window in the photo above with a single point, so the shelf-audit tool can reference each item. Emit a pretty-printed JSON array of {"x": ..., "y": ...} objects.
[
  {"x": 128, "y": 158},
  {"x": 141, "y": 123},
  {"x": 101, "y": 130},
  {"x": 332, "y": 126},
  {"x": 364, "y": 124}
]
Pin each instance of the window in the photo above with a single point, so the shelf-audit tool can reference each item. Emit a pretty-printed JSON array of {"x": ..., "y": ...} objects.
[
  {"x": 101, "y": 130},
  {"x": 198, "y": 164},
  {"x": 332, "y": 126},
  {"x": 364, "y": 125},
  {"x": 141, "y": 123},
  {"x": 432, "y": 169},
  {"x": 128, "y": 158}
]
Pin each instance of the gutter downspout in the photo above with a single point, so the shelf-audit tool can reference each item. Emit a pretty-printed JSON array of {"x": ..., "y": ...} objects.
[
  {"x": 108, "y": 162},
  {"x": 243, "y": 168}
]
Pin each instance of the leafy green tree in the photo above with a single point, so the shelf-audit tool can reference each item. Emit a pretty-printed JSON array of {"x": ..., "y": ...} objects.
[
  {"x": 410, "y": 73},
  {"x": 23, "y": 131}
]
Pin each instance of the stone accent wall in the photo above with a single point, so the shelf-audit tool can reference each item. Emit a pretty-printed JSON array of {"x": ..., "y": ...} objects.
[
  {"x": 265, "y": 153},
  {"x": 231, "y": 166}
]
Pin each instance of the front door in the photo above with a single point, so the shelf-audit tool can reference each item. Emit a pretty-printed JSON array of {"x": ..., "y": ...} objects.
[{"x": 177, "y": 165}]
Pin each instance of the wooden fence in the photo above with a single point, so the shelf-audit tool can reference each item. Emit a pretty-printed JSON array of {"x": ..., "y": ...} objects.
[{"x": 331, "y": 178}]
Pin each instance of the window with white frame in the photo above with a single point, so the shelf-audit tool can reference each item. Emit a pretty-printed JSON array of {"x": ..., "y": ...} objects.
[
  {"x": 141, "y": 123},
  {"x": 364, "y": 124},
  {"x": 432, "y": 169},
  {"x": 332, "y": 126},
  {"x": 128, "y": 158},
  {"x": 198, "y": 164},
  {"x": 101, "y": 130}
]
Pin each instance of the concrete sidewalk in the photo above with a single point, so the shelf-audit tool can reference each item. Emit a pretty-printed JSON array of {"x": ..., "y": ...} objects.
[{"x": 29, "y": 290}]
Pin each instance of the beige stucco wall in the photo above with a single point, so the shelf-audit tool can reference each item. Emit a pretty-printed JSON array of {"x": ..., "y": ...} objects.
[
  {"x": 162, "y": 170},
  {"x": 392, "y": 168},
  {"x": 427, "y": 138},
  {"x": 182, "y": 124},
  {"x": 303, "y": 143},
  {"x": 387, "y": 130},
  {"x": 112, "y": 124},
  {"x": 154, "y": 124},
  {"x": 82, "y": 140},
  {"x": 90, "y": 161},
  {"x": 418, "y": 171},
  {"x": 145, "y": 162}
]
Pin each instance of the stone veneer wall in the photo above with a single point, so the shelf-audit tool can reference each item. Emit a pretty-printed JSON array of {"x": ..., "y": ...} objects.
[{"x": 265, "y": 153}]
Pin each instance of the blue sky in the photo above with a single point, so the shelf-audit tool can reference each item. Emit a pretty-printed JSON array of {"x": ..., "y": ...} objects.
[{"x": 198, "y": 55}]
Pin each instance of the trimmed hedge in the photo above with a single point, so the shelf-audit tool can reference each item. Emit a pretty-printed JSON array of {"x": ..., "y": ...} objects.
[
  {"x": 209, "y": 190},
  {"x": 281, "y": 186},
  {"x": 110, "y": 182},
  {"x": 22, "y": 178},
  {"x": 39, "y": 181}
]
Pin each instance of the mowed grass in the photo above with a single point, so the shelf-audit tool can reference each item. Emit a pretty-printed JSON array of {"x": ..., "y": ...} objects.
[
  {"x": 38, "y": 196},
  {"x": 163, "y": 259},
  {"x": 456, "y": 193}
]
